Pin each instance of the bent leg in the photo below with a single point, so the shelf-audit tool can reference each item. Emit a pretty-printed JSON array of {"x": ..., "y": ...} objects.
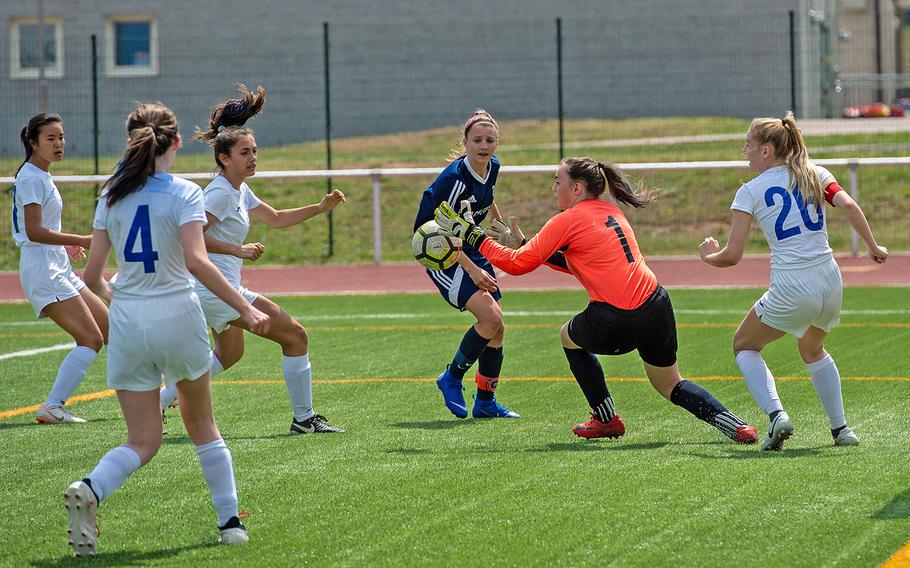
[{"x": 74, "y": 317}]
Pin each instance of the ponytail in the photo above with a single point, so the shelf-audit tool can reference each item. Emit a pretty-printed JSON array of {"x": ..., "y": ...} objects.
[
  {"x": 31, "y": 131},
  {"x": 785, "y": 137},
  {"x": 598, "y": 176},
  {"x": 152, "y": 129},
  {"x": 226, "y": 124}
]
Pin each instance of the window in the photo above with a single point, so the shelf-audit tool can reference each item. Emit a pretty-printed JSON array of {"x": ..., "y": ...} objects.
[
  {"x": 25, "y": 53},
  {"x": 132, "y": 45}
]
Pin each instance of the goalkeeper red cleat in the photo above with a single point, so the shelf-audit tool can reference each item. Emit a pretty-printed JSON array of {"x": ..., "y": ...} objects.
[
  {"x": 594, "y": 428},
  {"x": 745, "y": 434}
]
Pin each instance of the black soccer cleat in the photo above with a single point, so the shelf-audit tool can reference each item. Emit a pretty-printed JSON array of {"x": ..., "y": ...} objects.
[{"x": 315, "y": 424}]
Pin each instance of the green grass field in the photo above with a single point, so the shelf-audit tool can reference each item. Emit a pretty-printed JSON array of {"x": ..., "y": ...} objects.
[
  {"x": 409, "y": 485},
  {"x": 692, "y": 204}
]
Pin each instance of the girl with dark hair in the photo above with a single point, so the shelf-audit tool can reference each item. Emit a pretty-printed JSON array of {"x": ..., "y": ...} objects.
[
  {"x": 229, "y": 204},
  {"x": 45, "y": 272},
  {"x": 153, "y": 223},
  {"x": 467, "y": 183},
  {"x": 592, "y": 240},
  {"x": 805, "y": 293}
]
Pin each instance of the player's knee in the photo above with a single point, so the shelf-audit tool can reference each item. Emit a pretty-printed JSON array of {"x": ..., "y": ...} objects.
[
  {"x": 229, "y": 358},
  {"x": 147, "y": 446},
  {"x": 491, "y": 327},
  {"x": 296, "y": 337},
  {"x": 94, "y": 341},
  {"x": 811, "y": 354}
]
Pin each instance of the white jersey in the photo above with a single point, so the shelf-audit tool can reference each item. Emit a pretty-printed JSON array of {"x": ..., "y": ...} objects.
[
  {"x": 34, "y": 185},
  {"x": 795, "y": 230},
  {"x": 144, "y": 229},
  {"x": 231, "y": 207}
]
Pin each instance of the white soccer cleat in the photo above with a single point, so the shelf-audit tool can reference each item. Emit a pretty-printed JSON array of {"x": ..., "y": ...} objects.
[
  {"x": 846, "y": 437},
  {"x": 81, "y": 527},
  {"x": 780, "y": 429},
  {"x": 56, "y": 415}
]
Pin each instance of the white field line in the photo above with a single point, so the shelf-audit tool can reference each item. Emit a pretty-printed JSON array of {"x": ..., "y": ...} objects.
[
  {"x": 514, "y": 314},
  {"x": 29, "y": 352}
]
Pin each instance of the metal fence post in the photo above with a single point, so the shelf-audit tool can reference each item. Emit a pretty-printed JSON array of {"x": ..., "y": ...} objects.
[
  {"x": 377, "y": 220},
  {"x": 854, "y": 193},
  {"x": 562, "y": 152},
  {"x": 96, "y": 128},
  {"x": 793, "y": 62},
  {"x": 328, "y": 132}
]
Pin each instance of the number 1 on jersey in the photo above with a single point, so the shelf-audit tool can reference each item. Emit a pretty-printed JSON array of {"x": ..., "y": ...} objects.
[
  {"x": 142, "y": 228},
  {"x": 612, "y": 224}
]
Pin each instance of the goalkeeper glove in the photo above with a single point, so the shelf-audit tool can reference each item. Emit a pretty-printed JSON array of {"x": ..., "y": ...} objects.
[
  {"x": 454, "y": 225},
  {"x": 510, "y": 237}
]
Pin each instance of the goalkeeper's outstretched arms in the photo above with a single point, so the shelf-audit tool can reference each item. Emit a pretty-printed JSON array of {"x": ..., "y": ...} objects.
[{"x": 519, "y": 261}]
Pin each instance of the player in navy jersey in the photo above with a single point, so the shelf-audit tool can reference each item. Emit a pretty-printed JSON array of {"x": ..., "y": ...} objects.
[
  {"x": 467, "y": 184},
  {"x": 804, "y": 297},
  {"x": 45, "y": 272},
  {"x": 152, "y": 221}
]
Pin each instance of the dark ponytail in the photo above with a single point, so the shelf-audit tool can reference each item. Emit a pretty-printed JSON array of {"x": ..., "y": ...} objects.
[
  {"x": 598, "y": 176},
  {"x": 30, "y": 133},
  {"x": 152, "y": 128},
  {"x": 226, "y": 125}
]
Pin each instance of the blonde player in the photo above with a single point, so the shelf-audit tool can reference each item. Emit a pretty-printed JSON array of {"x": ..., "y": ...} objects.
[
  {"x": 45, "y": 272},
  {"x": 229, "y": 204},
  {"x": 153, "y": 222},
  {"x": 804, "y": 296}
]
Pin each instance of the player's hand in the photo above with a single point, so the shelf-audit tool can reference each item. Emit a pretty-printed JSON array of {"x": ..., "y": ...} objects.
[
  {"x": 878, "y": 254},
  {"x": 482, "y": 279},
  {"x": 257, "y": 321},
  {"x": 708, "y": 246},
  {"x": 251, "y": 251},
  {"x": 330, "y": 200},
  {"x": 454, "y": 225},
  {"x": 75, "y": 252},
  {"x": 511, "y": 237}
]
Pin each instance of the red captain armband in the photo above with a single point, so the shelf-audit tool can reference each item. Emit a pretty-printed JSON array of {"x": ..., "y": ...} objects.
[{"x": 831, "y": 191}]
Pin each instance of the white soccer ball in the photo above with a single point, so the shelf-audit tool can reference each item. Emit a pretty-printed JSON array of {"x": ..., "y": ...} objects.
[{"x": 433, "y": 249}]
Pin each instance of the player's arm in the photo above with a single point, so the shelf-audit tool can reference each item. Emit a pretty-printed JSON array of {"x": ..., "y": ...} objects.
[
  {"x": 249, "y": 251},
  {"x": 283, "y": 218},
  {"x": 711, "y": 252},
  {"x": 37, "y": 233},
  {"x": 94, "y": 270},
  {"x": 857, "y": 219},
  {"x": 494, "y": 212},
  {"x": 199, "y": 265}
]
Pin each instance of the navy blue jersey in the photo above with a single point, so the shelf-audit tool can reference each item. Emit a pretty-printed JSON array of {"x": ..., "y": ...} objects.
[{"x": 456, "y": 183}]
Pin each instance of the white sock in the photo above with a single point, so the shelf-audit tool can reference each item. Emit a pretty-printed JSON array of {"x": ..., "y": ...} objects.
[
  {"x": 112, "y": 470},
  {"x": 826, "y": 380},
  {"x": 759, "y": 380},
  {"x": 216, "y": 365},
  {"x": 218, "y": 470},
  {"x": 298, "y": 376},
  {"x": 168, "y": 395},
  {"x": 70, "y": 375}
]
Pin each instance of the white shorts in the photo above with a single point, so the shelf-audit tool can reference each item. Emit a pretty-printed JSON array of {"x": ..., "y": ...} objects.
[
  {"x": 47, "y": 276},
  {"x": 218, "y": 314},
  {"x": 151, "y": 337},
  {"x": 800, "y": 298}
]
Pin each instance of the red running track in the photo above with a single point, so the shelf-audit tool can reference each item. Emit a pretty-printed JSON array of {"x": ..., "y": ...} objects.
[{"x": 410, "y": 277}]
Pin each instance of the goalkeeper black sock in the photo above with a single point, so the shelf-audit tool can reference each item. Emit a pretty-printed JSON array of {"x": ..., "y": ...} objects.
[
  {"x": 590, "y": 377},
  {"x": 705, "y": 407},
  {"x": 472, "y": 345}
]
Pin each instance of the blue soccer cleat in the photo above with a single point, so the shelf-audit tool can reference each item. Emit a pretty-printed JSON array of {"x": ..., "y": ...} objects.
[
  {"x": 452, "y": 394},
  {"x": 491, "y": 409}
]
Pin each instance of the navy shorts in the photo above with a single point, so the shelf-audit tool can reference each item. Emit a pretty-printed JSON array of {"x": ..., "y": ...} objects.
[
  {"x": 608, "y": 330},
  {"x": 457, "y": 287}
]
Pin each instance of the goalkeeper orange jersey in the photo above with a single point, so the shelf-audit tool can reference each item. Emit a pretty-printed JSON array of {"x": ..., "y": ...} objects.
[{"x": 594, "y": 242}]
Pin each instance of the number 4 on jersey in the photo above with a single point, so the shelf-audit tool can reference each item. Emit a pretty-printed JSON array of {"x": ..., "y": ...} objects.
[{"x": 142, "y": 228}]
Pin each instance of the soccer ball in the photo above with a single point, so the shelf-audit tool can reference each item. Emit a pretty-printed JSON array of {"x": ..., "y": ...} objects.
[{"x": 433, "y": 249}]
